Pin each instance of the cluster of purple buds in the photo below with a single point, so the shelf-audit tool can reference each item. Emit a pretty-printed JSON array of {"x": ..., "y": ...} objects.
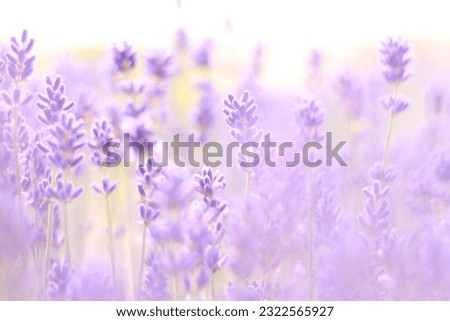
[
  {"x": 59, "y": 277},
  {"x": 124, "y": 58},
  {"x": 103, "y": 133},
  {"x": 150, "y": 175},
  {"x": 160, "y": 65},
  {"x": 204, "y": 115},
  {"x": 395, "y": 62},
  {"x": 54, "y": 102},
  {"x": 19, "y": 62},
  {"x": 309, "y": 117},
  {"x": 241, "y": 115},
  {"x": 212, "y": 231},
  {"x": 64, "y": 142}
]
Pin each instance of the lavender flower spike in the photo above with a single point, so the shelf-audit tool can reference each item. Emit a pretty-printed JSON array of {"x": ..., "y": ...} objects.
[
  {"x": 54, "y": 102},
  {"x": 106, "y": 188},
  {"x": 124, "y": 58},
  {"x": 394, "y": 60},
  {"x": 19, "y": 63},
  {"x": 59, "y": 281},
  {"x": 309, "y": 118},
  {"x": 241, "y": 116}
]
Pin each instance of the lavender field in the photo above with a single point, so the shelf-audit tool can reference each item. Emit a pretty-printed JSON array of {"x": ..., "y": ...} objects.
[{"x": 87, "y": 212}]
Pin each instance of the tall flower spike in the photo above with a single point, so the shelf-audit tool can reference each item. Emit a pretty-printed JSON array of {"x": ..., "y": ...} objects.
[
  {"x": 54, "y": 102},
  {"x": 124, "y": 58},
  {"x": 147, "y": 187},
  {"x": 209, "y": 183},
  {"x": 309, "y": 117},
  {"x": 241, "y": 116},
  {"x": 64, "y": 142},
  {"x": 59, "y": 281},
  {"x": 19, "y": 62},
  {"x": 103, "y": 132},
  {"x": 204, "y": 114},
  {"x": 394, "y": 60}
]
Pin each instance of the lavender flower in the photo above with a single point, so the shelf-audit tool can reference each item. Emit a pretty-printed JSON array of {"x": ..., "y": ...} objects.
[
  {"x": 394, "y": 105},
  {"x": 64, "y": 192},
  {"x": 150, "y": 175},
  {"x": 309, "y": 117},
  {"x": 124, "y": 58},
  {"x": 19, "y": 62},
  {"x": 54, "y": 103},
  {"x": 106, "y": 188},
  {"x": 160, "y": 65},
  {"x": 394, "y": 60},
  {"x": 204, "y": 115},
  {"x": 59, "y": 287},
  {"x": 103, "y": 133},
  {"x": 156, "y": 282},
  {"x": 15, "y": 100},
  {"x": 241, "y": 116},
  {"x": 202, "y": 56},
  {"x": 65, "y": 140}
]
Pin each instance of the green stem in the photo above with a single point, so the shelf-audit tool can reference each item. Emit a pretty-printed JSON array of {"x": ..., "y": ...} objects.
[
  {"x": 213, "y": 295},
  {"x": 48, "y": 243},
  {"x": 388, "y": 140},
  {"x": 310, "y": 233},
  {"x": 66, "y": 234},
  {"x": 17, "y": 161},
  {"x": 389, "y": 130},
  {"x": 247, "y": 184},
  {"x": 141, "y": 268},
  {"x": 111, "y": 244}
]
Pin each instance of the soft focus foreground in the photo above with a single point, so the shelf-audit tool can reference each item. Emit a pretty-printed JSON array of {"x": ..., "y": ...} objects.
[{"x": 71, "y": 229}]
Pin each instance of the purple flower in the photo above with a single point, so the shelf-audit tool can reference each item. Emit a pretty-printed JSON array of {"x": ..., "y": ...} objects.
[
  {"x": 64, "y": 192},
  {"x": 15, "y": 100},
  {"x": 124, "y": 58},
  {"x": 106, "y": 188},
  {"x": 160, "y": 65},
  {"x": 309, "y": 117},
  {"x": 64, "y": 142},
  {"x": 54, "y": 103},
  {"x": 394, "y": 105},
  {"x": 202, "y": 56},
  {"x": 103, "y": 133},
  {"x": 209, "y": 183},
  {"x": 150, "y": 176},
  {"x": 394, "y": 60},
  {"x": 156, "y": 282},
  {"x": 204, "y": 115},
  {"x": 241, "y": 116},
  {"x": 59, "y": 277},
  {"x": 19, "y": 62},
  {"x": 95, "y": 287}
]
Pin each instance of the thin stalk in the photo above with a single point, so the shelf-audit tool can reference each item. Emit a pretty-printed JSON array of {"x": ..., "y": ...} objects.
[
  {"x": 388, "y": 140},
  {"x": 48, "y": 243},
  {"x": 213, "y": 295},
  {"x": 141, "y": 269},
  {"x": 111, "y": 245},
  {"x": 17, "y": 161},
  {"x": 66, "y": 234},
  {"x": 247, "y": 184},
  {"x": 310, "y": 233}
]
